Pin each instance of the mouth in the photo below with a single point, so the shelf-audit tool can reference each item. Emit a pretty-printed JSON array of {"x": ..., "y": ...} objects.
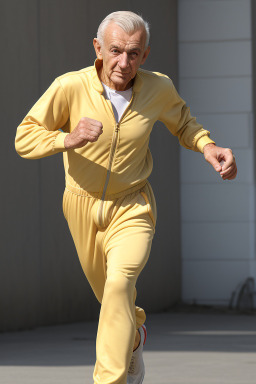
[{"x": 122, "y": 73}]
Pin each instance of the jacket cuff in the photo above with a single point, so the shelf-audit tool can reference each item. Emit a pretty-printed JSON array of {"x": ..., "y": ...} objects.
[
  {"x": 202, "y": 142},
  {"x": 59, "y": 141}
]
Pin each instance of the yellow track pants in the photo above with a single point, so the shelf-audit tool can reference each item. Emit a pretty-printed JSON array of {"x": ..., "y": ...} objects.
[{"x": 113, "y": 248}]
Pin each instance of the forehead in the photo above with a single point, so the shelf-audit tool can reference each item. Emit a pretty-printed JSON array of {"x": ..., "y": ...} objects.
[{"x": 115, "y": 35}]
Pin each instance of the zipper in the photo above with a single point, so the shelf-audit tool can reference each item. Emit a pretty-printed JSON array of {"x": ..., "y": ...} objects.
[{"x": 111, "y": 158}]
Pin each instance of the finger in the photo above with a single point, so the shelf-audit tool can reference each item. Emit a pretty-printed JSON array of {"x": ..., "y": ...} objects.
[
  {"x": 92, "y": 138},
  {"x": 214, "y": 162},
  {"x": 91, "y": 131},
  {"x": 229, "y": 169},
  {"x": 95, "y": 131},
  {"x": 228, "y": 158},
  {"x": 98, "y": 130},
  {"x": 224, "y": 173},
  {"x": 230, "y": 175},
  {"x": 96, "y": 123},
  {"x": 94, "y": 128},
  {"x": 87, "y": 122},
  {"x": 234, "y": 176}
]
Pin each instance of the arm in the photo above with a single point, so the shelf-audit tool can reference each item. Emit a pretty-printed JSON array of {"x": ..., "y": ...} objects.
[
  {"x": 176, "y": 116},
  {"x": 38, "y": 135}
]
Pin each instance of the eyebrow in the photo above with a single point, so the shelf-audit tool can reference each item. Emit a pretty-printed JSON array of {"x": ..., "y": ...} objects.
[{"x": 129, "y": 50}]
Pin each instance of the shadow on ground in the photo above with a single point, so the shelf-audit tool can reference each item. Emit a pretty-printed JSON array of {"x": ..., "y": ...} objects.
[{"x": 74, "y": 344}]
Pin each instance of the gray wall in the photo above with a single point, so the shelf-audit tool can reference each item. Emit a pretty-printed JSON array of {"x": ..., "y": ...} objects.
[
  {"x": 41, "y": 281},
  {"x": 253, "y": 21},
  {"x": 216, "y": 80}
]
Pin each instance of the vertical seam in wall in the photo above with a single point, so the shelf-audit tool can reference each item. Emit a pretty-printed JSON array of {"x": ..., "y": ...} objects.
[
  {"x": 180, "y": 158},
  {"x": 175, "y": 5},
  {"x": 253, "y": 42},
  {"x": 39, "y": 305}
]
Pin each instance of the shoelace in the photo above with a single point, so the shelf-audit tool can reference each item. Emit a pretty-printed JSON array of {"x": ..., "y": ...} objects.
[{"x": 131, "y": 367}]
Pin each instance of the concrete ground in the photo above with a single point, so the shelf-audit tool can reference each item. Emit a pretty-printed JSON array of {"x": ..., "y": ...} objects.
[{"x": 182, "y": 348}]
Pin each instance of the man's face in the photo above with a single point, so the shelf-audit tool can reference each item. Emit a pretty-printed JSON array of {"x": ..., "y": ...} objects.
[{"x": 122, "y": 55}]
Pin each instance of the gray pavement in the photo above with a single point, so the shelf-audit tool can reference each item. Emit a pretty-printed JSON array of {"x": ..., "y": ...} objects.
[{"x": 182, "y": 348}]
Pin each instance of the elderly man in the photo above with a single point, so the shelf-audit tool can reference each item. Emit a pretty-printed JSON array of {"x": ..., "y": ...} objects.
[{"x": 101, "y": 118}]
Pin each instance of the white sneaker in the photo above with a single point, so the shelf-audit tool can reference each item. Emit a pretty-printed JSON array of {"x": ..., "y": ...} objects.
[{"x": 136, "y": 371}]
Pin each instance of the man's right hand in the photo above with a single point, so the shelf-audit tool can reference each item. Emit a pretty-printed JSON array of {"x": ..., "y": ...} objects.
[{"x": 87, "y": 130}]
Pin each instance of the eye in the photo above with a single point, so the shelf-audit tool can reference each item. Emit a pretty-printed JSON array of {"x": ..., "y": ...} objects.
[
  {"x": 134, "y": 54},
  {"x": 114, "y": 51}
]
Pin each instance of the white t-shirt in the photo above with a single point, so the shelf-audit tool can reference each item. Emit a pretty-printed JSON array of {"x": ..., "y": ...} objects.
[{"x": 119, "y": 100}]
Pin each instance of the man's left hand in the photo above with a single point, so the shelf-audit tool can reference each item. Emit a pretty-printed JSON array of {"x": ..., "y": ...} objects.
[{"x": 222, "y": 160}]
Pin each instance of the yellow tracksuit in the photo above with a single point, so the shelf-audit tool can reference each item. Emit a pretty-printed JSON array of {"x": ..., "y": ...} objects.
[{"x": 108, "y": 202}]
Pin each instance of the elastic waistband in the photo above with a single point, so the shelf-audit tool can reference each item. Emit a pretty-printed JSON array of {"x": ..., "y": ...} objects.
[{"x": 96, "y": 195}]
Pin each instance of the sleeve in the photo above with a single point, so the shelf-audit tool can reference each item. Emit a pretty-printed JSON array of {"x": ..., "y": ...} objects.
[
  {"x": 177, "y": 118},
  {"x": 38, "y": 134}
]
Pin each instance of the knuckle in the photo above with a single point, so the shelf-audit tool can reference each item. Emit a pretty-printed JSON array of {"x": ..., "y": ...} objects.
[
  {"x": 80, "y": 126},
  {"x": 83, "y": 122},
  {"x": 98, "y": 124}
]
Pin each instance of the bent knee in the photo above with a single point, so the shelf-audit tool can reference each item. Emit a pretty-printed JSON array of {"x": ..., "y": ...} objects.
[{"x": 119, "y": 282}]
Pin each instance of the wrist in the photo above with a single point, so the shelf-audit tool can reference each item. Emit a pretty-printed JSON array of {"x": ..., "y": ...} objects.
[
  {"x": 208, "y": 146},
  {"x": 66, "y": 142},
  {"x": 59, "y": 142}
]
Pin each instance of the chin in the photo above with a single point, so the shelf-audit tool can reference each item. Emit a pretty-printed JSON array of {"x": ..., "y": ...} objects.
[{"x": 119, "y": 81}]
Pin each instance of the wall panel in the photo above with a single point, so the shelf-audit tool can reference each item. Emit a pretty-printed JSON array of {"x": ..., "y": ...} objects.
[
  {"x": 19, "y": 192},
  {"x": 215, "y": 64},
  {"x": 203, "y": 20}
]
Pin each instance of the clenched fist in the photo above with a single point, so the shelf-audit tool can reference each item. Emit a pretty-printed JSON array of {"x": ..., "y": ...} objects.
[
  {"x": 222, "y": 160},
  {"x": 86, "y": 130}
]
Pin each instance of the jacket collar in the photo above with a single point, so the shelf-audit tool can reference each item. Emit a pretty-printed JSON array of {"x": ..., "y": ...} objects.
[{"x": 99, "y": 87}]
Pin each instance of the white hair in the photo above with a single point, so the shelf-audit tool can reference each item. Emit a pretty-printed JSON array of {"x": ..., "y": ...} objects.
[{"x": 129, "y": 21}]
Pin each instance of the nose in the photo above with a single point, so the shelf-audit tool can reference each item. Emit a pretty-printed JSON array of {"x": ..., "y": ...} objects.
[{"x": 123, "y": 61}]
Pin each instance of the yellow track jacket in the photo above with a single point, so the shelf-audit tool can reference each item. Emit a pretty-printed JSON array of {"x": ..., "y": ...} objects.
[{"x": 120, "y": 161}]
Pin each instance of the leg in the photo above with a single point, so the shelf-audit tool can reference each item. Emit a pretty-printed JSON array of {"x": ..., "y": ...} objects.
[
  {"x": 117, "y": 254},
  {"x": 127, "y": 247},
  {"x": 79, "y": 213}
]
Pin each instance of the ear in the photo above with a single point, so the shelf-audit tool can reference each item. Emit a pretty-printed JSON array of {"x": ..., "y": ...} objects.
[
  {"x": 98, "y": 49},
  {"x": 145, "y": 55}
]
